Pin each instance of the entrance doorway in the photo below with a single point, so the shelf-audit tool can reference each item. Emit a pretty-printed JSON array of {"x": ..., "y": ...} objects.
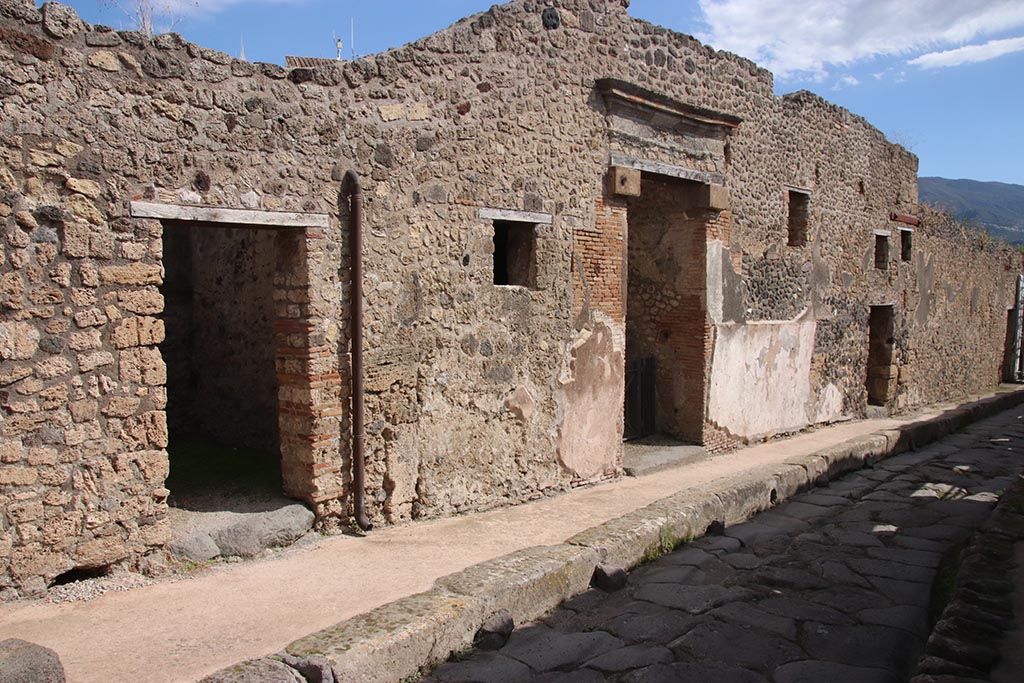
[
  {"x": 882, "y": 374},
  {"x": 665, "y": 310},
  {"x": 222, "y": 390}
]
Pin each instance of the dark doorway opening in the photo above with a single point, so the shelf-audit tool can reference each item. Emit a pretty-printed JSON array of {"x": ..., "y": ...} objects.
[
  {"x": 882, "y": 374},
  {"x": 665, "y": 310},
  {"x": 639, "y": 403},
  {"x": 222, "y": 390}
]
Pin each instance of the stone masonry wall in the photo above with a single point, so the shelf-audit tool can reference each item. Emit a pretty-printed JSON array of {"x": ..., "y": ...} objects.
[{"x": 477, "y": 395}]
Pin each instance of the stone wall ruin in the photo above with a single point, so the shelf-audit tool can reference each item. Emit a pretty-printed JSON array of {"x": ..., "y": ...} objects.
[{"x": 478, "y": 394}]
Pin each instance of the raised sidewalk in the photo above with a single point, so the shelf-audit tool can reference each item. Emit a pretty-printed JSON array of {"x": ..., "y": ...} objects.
[{"x": 384, "y": 605}]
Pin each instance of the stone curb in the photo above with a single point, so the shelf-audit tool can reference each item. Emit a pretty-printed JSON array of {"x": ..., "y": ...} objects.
[
  {"x": 396, "y": 641},
  {"x": 968, "y": 637}
]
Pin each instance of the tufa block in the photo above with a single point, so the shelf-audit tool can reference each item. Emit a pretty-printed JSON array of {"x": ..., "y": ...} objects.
[{"x": 625, "y": 181}]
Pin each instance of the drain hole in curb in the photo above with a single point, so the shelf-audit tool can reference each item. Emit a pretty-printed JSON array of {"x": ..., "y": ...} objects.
[
  {"x": 80, "y": 574},
  {"x": 773, "y": 497}
]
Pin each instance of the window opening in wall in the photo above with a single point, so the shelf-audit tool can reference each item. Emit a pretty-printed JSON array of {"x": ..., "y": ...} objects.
[
  {"x": 798, "y": 218},
  {"x": 906, "y": 245},
  {"x": 515, "y": 253},
  {"x": 881, "y": 252}
]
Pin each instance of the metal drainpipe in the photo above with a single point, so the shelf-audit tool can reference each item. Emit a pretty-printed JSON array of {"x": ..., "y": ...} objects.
[{"x": 354, "y": 191}]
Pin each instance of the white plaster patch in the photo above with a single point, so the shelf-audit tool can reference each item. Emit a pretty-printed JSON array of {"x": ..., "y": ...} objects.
[
  {"x": 830, "y": 404},
  {"x": 760, "y": 377},
  {"x": 715, "y": 280}
]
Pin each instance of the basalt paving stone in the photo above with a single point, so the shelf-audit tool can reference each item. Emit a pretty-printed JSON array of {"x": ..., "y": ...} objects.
[
  {"x": 656, "y": 624},
  {"x": 796, "y": 607},
  {"x": 902, "y": 592},
  {"x": 913, "y": 620},
  {"x": 692, "y": 599},
  {"x": 780, "y": 520},
  {"x": 919, "y": 558},
  {"x": 838, "y": 573},
  {"x": 578, "y": 676},
  {"x": 631, "y": 657},
  {"x": 849, "y": 599},
  {"x": 543, "y": 649},
  {"x": 822, "y": 498},
  {"x": 715, "y": 544},
  {"x": 871, "y": 646},
  {"x": 656, "y": 573},
  {"x": 805, "y": 511},
  {"x": 686, "y": 672},
  {"x": 785, "y": 577},
  {"x": 753, "y": 533},
  {"x": 743, "y": 560},
  {"x": 737, "y": 645},
  {"x": 869, "y": 567},
  {"x": 847, "y": 537},
  {"x": 747, "y": 614},
  {"x": 483, "y": 667},
  {"x": 598, "y": 614},
  {"x": 946, "y": 533},
  {"x": 820, "y": 672}
]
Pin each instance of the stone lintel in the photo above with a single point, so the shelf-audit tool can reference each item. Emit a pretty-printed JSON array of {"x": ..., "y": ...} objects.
[
  {"x": 660, "y": 168},
  {"x": 904, "y": 218},
  {"x": 217, "y": 214},
  {"x": 489, "y": 214}
]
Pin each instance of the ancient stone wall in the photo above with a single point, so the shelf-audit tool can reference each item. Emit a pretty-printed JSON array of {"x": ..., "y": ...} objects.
[{"x": 478, "y": 394}]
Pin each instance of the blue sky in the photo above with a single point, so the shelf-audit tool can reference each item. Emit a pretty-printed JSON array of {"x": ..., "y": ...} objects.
[{"x": 945, "y": 78}]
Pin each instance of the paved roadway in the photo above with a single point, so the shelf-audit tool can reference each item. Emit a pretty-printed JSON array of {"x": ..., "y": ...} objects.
[{"x": 833, "y": 585}]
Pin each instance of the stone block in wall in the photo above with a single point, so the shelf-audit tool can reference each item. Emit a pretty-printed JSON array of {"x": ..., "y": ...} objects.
[
  {"x": 713, "y": 197},
  {"x": 143, "y": 331},
  {"x": 624, "y": 182}
]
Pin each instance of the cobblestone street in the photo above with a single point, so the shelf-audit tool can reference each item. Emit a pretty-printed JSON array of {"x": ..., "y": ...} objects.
[{"x": 834, "y": 585}]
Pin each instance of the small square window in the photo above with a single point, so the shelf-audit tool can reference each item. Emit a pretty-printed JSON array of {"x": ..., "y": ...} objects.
[
  {"x": 798, "y": 218},
  {"x": 515, "y": 254},
  {"x": 906, "y": 245},
  {"x": 881, "y": 252}
]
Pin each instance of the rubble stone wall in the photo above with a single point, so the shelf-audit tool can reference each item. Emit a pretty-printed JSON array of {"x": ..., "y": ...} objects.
[{"x": 476, "y": 393}]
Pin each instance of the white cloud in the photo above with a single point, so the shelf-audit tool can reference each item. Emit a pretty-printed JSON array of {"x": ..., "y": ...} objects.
[
  {"x": 969, "y": 53},
  {"x": 802, "y": 40}
]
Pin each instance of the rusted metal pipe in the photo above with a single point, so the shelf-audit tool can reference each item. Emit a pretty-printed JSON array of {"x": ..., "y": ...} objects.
[{"x": 354, "y": 191}]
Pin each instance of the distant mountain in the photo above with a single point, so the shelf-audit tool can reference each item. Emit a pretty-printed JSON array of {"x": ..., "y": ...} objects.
[{"x": 997, "y": 208}]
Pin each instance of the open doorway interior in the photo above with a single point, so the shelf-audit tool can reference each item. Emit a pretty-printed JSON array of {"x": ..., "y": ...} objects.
[
  {"x": 882, "y": 374},
  {"x": 222, "y": 407},
  {"x": 665, "y": 314}
]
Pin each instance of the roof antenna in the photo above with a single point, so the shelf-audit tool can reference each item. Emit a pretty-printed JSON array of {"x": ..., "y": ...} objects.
[
  {"x": 241, "y": 52},
  {"x": 352, "y": 43}
]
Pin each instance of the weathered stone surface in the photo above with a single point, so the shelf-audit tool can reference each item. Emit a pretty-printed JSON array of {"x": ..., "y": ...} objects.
[
  {"x": 407, "y": 634},
  {"x": 526, "y": 583},
  {"x": 259, "y": 531},
  {"x": 734, "y": 644},
  {"x": 25, "y": 662},
  {"x": 256, "y": 671},
  {"x": 544, "y": 649},
  {"x": 198, "y": 547},
  {"x": 814, "y": 672},
  {"x": 18, "y": 341}
]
